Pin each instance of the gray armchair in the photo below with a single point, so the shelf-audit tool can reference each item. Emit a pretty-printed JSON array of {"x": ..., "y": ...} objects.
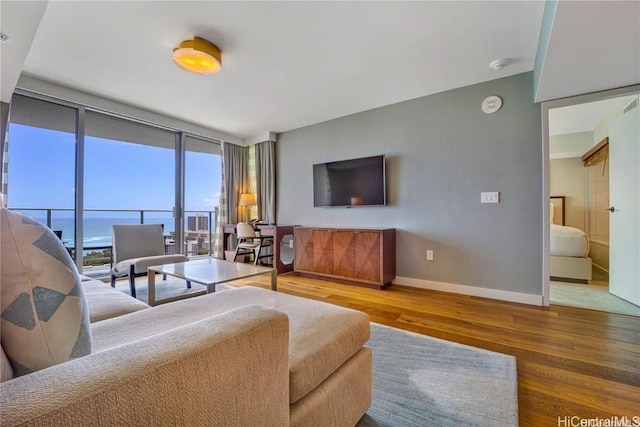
[{"x": 136, "y": 247}]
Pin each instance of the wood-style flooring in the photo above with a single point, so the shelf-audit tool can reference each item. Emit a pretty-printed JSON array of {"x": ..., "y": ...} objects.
[{"x": 571, "y": 362}]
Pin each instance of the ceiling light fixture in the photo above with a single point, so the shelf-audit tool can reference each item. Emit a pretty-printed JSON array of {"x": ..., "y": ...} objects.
[
  {"x": 499, "y": 64},
  {"x": 199, "y": 56}
]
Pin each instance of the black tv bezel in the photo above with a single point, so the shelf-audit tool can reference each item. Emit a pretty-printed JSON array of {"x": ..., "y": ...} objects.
[{"x": 384, "y": 182}]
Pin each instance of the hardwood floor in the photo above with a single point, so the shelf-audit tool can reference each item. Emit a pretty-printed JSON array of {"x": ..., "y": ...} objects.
[{"x": 571, "y": 362}]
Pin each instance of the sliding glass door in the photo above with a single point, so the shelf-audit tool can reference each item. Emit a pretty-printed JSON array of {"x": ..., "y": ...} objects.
[
  {"x": 129, "y": 173},
  {"x": 129, "y": 178},
  {"x": 41, "y": 153},
  {"x": 202, "y": 179}
]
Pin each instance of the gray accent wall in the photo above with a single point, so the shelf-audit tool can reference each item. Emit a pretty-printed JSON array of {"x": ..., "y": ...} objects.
[{"x": 442, "y": 151}]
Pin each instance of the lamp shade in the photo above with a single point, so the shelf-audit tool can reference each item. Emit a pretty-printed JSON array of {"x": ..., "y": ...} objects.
[
  {"x": 247, "y": 199},
  {"x": 199, "y": 56}
]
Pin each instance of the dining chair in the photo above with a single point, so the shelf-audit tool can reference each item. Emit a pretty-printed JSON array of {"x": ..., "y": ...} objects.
[{"x": 250, "y": 243}]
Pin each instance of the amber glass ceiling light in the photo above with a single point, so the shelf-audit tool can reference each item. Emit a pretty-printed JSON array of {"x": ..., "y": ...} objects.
[{"x": 198, "y": 56}]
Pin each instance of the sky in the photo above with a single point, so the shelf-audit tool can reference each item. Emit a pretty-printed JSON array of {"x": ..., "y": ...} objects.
[{"x": 117, "y": 175}]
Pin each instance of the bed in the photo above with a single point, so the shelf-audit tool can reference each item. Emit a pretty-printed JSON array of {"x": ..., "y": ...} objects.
[{"x": 569, "y": 248}]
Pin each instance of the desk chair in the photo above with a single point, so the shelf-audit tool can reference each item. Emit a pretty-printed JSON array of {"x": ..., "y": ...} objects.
[
  {"x": 250, "y": 243},
  {"x": 136, "y": 247}
]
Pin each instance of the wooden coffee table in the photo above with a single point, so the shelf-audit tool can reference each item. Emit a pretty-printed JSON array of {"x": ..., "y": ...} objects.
[{"x": 208, "y": 272}]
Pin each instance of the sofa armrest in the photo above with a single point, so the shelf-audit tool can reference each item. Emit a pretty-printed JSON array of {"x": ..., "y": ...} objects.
[{"x": 228, "y": 370}]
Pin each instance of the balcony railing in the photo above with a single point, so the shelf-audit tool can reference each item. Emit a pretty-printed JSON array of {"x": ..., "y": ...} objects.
[{"x": 97, "y": 250}]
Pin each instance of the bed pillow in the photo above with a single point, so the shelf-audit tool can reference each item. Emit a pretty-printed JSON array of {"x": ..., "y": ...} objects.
[{"x": 43, "y": 311}]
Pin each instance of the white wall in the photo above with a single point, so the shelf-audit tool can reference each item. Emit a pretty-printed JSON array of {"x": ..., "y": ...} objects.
[
  {"x": 567, "y": 178},
  {"x": 570, "y": 144}
]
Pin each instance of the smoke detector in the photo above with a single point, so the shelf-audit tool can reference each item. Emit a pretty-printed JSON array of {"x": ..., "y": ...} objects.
[{"x": 499, "y": 64}]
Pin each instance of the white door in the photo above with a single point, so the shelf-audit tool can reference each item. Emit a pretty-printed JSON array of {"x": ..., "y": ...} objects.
[{"x": 624, "y": 198}]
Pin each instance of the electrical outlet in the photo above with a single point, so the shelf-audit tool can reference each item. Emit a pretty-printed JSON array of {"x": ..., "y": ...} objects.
[{"x": 429, "y": 255}]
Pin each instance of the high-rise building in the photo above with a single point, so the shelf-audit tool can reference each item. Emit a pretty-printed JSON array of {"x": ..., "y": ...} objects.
[{"x": 199, "y": 222}]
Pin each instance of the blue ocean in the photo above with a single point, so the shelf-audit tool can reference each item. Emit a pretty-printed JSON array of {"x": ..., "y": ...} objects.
[{"x": 97, "y": 231}]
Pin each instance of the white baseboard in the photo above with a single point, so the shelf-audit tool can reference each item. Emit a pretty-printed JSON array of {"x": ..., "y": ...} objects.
[{"x": 470, "y": 290}]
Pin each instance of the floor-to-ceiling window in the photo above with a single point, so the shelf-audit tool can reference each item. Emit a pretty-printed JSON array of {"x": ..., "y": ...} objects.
[
  {"x": 42, "y": 163},
  {"x": 202, "y": 178},
  {"x": 129, "y": 178},
  {"x": 128, "y": 175}
]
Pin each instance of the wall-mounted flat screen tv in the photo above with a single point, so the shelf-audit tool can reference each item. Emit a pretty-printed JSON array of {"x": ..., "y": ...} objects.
[{"x": 355, "y": 182}]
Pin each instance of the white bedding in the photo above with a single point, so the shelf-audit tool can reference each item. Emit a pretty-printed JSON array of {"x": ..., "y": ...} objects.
[{"x": 568, "y": 241}]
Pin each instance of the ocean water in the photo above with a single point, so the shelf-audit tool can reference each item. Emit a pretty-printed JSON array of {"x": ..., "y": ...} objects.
[{"x": 97, "y": 231}]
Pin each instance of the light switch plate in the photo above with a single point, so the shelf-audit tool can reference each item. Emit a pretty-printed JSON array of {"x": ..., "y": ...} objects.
[{"x": 490, "y": 197}]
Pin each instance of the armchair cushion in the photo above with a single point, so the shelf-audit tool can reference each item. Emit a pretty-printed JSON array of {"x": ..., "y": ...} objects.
[
  {"x": 137, "y": 241},
  {"x": 44, "y": 315},
  {"x": 141, "y": 264}
]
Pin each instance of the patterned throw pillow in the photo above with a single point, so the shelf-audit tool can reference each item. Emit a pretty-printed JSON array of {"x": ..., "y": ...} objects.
[{"x": 43, "y": 311}]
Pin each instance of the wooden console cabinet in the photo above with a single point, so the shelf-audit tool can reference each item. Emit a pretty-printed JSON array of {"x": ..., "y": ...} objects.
[{"x": 363, "y": 255}]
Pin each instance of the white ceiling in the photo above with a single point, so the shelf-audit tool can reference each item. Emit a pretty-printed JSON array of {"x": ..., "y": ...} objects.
[
  {"x": 594, "y": 46},
  {"x": 292, "y": 64},
  {"x": 285, "y": 64},
  {"x": 20, "y": 20},
  {"x": 583, "y": 117}
]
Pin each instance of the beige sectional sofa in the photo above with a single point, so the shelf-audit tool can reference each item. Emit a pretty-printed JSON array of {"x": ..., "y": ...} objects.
[{"x": 238, "y": 357}]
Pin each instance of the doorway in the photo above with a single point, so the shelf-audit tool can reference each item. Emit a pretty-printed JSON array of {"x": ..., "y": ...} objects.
[{"x": 592, "y": 161}]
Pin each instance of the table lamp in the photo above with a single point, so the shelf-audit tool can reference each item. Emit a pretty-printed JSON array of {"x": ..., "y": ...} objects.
[{"x": 247, "y": 200}]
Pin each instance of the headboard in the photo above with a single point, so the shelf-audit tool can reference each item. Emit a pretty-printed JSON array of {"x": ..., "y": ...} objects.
[{"x": 558, "y": 209}]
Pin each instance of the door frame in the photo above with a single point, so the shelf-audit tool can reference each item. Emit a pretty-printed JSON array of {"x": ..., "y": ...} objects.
[{"x": 545, "y": 107}]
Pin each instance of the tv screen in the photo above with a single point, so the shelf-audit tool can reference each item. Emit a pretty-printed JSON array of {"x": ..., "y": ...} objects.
[{"x": 356, "y": 182}]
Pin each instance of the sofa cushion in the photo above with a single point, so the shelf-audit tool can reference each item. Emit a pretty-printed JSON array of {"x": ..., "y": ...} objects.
[
  {"x": 6, "y": 372},
  {"x": 44, "y": 317},
  {"x": 105, "y": 302},
  {"x": 321, "y": 336}
]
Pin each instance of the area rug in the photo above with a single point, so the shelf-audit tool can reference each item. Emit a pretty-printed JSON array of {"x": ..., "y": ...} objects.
[{"x": 423, "y": 381}]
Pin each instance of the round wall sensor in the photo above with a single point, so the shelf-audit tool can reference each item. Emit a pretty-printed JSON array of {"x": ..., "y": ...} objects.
[{"x": 491, "y": 104}]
